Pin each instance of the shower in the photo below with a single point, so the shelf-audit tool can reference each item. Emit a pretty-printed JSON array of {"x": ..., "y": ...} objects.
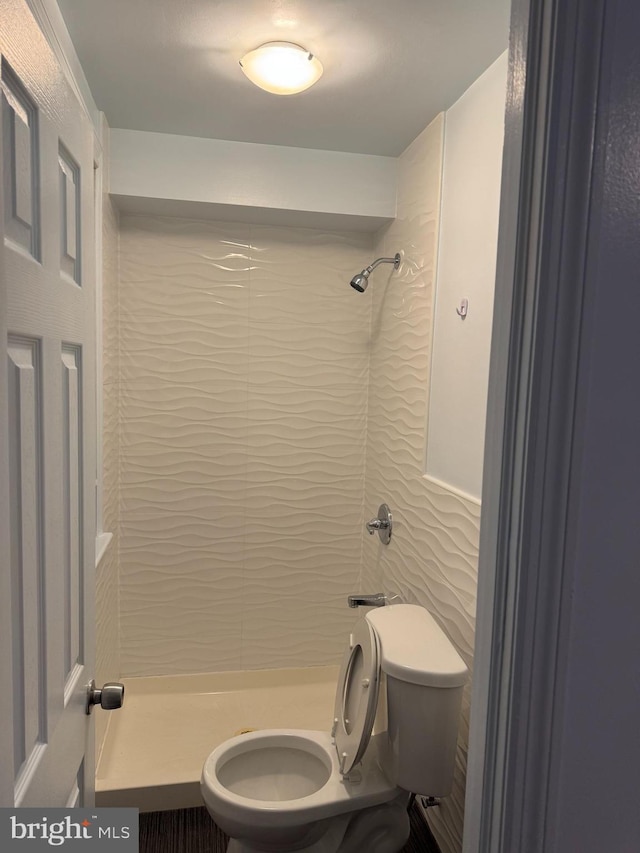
[{"x": 361, "y": 280}]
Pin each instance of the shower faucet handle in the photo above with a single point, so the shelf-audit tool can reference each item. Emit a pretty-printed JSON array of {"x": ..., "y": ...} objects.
[
  {"x": 375, "y": 599},
  {"x": 383, "y": 524}
]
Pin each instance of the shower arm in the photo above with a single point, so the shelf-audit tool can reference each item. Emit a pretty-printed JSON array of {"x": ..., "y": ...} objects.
[
  {"x": 395, "y": 261},
  {"x": 360, "y": 281}
]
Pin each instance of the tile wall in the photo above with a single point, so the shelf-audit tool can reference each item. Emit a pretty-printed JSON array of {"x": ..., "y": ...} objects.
[
  {"x": 243, "y": 377},
  {"x": 432, "y": 557},
  {"x": 107, "y": 581}
]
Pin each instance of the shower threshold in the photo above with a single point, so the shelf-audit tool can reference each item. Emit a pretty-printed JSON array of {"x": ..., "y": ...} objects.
[{"x": 156, "y": 745}]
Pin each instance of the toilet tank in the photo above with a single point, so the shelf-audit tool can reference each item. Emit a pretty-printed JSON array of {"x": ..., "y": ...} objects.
[{"x": 424, "y": 677}]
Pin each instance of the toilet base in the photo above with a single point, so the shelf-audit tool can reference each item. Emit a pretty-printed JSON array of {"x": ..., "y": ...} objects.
[{"x": 379, "y": 829}]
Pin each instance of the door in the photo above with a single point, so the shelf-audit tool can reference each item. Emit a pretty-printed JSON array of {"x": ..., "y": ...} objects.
[
  {"x": 556, "y": 675},
  {"x": 47, "y": 425}
]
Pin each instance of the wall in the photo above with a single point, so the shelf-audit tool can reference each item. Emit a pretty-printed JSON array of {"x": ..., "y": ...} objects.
[
  {"x": 432, "y": 557},
  {"x": 248, "y": 182},
  {"x": 107, "y": 618},
  {"x": 466, "y": 269},
  {"x": 243, "y": 371}
]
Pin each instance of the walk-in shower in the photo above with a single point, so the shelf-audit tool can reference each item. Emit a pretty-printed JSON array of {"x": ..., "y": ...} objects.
[{"x": 361, "y": 280}]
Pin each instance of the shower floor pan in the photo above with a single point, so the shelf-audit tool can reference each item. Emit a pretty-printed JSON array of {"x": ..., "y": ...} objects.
[{"x": 156, "y": 744}]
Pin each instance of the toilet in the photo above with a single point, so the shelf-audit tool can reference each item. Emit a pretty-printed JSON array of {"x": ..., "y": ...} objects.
[{"x": 346, "y": 790}]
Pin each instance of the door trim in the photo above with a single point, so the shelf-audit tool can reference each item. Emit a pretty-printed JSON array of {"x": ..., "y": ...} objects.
[
  {"x": 51, "y": 23},
  {"x": 533, "y": 424}
]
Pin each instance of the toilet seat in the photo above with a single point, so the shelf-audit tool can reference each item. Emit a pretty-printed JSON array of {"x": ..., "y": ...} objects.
[
  {"x": 234, "y": 808},
  {"x": 356, "y": 696}
]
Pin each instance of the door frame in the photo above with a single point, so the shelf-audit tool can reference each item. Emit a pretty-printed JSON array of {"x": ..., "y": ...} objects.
[
  {"x": 536, "y": 427},
  {"x": 6, "y": 661}
]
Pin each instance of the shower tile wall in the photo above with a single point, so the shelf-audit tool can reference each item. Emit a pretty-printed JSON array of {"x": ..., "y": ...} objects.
[
  {"x": 107, "y": 640},
  {"x": 243, "y": 373},
  {"x": 432, "y": 557}
]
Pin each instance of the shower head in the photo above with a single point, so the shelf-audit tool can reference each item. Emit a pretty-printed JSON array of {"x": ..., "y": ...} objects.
[{"x": 360, "y": 281}]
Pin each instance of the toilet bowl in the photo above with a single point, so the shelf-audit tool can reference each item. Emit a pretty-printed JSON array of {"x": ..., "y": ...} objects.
[
  {"x": 278, "y": 785},
  {"x": 347, "y": 790}
]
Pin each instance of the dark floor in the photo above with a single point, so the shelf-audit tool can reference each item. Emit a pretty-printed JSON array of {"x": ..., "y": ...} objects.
[{"x": 193, "y": 831}]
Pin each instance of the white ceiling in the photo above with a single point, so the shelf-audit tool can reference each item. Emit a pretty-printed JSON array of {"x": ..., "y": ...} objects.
[{"x": 389, "y": 66}]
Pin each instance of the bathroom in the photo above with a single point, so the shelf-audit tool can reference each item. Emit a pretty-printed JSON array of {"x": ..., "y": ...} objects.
[{"x": 256, "y": 410}]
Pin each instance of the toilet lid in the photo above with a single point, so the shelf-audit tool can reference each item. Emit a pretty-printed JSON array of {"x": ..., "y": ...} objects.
[{"x": 356, "y": 695}]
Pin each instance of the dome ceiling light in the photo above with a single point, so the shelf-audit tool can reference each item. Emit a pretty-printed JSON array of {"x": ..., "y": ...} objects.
[{"x": 282, "y": 68}]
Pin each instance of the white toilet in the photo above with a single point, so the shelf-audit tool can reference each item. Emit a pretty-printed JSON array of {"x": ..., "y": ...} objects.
[{"x": 394, "y": 731}]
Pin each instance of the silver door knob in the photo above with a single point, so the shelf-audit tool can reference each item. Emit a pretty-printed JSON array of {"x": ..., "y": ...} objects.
[{"x": 110, "y": 696}]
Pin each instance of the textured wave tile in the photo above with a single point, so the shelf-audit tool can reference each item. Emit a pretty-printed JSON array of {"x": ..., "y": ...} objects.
[
  {"x": 403, "y": 299},
  {"x": 107, "y": 611},
  {"x": 181, "y": 351},
  {"x": 307, "y": 425},
  {"x": 302, "y": 276},
  {"x": 309, "y": 356},
  {"x": 107, "y": 573},
  {"x": 309, "y": 631},
  {"x": 157, "y": 296},
  {"x": 200, "y": 290},
  {"x": 398, "y": 454},
  {"x": 183, "y": 456},
  {"x": 195, "y": 235},
  {"x": 174, "y": 405},
  {"x": 432, "y": 558},
  {"x": 243, "y": 371},
  {"x": 295, "y": 432},
  {"x": 419, "y": 183},
  {"x": 183, "y": 300},
  {"x": 107, "y": 664},
  {"x": 110, "y": 457},
  {"x": 176, "y": 440},
  {"x": 179, "y": 607},
  {"x": 110, "y": 301}
]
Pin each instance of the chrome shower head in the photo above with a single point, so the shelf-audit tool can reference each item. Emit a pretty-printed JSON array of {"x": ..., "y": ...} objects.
[{"x": 360, "y": 281}]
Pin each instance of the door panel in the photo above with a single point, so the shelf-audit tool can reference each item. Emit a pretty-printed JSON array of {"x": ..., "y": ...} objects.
[
  {"x": 20, "y": 141},
  {"x": 47, "y": 423},
  {"x": 26, "y": 542}
]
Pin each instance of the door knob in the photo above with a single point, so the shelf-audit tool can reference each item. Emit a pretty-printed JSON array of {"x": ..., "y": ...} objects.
[{"x": 110, "y": 696}]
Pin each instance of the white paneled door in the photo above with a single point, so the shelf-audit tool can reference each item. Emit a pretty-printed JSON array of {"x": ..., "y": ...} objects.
[{"x": 47, "y": 423}]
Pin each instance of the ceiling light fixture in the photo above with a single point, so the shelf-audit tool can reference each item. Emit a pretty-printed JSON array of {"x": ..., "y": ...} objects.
[{"x": 281, "y": 67}]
